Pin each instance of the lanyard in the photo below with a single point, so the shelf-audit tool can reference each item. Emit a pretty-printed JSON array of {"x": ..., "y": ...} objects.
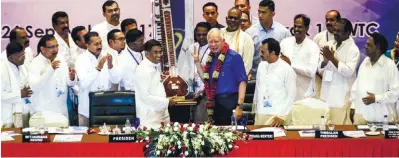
[
  {"x": 327, "y": 35},
  {"x": 204, "y": 53},
  {"x": 134, "y": 57}
]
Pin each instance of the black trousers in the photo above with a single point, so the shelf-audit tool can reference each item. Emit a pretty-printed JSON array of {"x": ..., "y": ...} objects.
[{"x": 225, "y": 104}]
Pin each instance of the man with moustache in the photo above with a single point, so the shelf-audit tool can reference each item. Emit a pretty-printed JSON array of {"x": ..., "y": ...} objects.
[
  {"x": 225, "y": 84},
  {"x": 338, "y": 68},
  {"x": 323, "y": 37},
  {"x": 210, "y": 14},
  {"x": 14, "y": 112},
  {"x": 303, "y": 54},
  {"x": 60, "y": 22},
  {"x": 376, "y": 89},
  {"x": 128, "y": 24},
  {"x": 237, "y": 39},
  {"x": 245, "y": 7},
  {"x": 275, "y": 87},
  {"x": 151, "y": 101},
  {"x": 266, "y": 28},
  {"x": 19, "y": 35},
  {"x": 111, "y": 12},
  {"x": 130, "y": 58},
  {"x": 49, "y": 78},
  {"x": 96, "y": 72}
]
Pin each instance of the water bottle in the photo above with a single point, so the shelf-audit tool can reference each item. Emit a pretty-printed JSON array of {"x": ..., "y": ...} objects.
[
  {"x": 234, "y": 120},
  {"x": 128, "y": 124},
  {"x": 322, "y": 124},
  {"x": 385, "y": 125}
]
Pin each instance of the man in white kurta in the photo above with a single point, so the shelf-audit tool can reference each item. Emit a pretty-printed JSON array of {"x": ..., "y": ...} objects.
[
  {"x": 96, "y": 72},
  {"x": 376, "y": 88},
  {"x": 20, "y": 36},
  {"x": 151, "y": 101},
  {"x": 338, "y": 68},
  {"x": 64, "y": 39},
  {"x": 323, "y": 37},
  {"x": 49, "y": 78},
  {"x": 237, "y": 39},
  {"x": 116, "y": 43},
  {"x": 111, "y": 12},
  {"x": 303, "y": 54},
  {"x": 14, "y": 79},
  {"x": 130, "y": 58},
  {"x": 275, "y": 86}
]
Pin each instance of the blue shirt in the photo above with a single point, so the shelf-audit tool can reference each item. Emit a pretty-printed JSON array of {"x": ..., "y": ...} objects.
[
  {"x": 258, "y": 34},
  {"x": 231, "y": 74}
]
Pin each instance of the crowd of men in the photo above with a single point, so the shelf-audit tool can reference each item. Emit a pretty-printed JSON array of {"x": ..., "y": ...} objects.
[{"x": 115, "y": 56}]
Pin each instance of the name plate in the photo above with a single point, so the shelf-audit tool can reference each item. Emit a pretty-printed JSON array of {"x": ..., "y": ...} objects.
[
  {"x": 261, "y": 135},
  {"x": 328, "y": 134},
  {"x": 122, "y": 138},
  {"x": 35, "y": 138},
  {"x": 392, "y": 134}
]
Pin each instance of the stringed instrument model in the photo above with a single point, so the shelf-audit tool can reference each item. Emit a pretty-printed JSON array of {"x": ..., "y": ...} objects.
[{"x": 174, "y": 84}]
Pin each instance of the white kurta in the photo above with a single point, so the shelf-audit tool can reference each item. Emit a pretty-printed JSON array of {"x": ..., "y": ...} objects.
[
  {"x": 151, "y": 101},
  {"x": 381, "y": 79},
  {"x": 337, "y": 82},
  {"x": 49, "y": 86},
  {"x": 92, "y": 80},
  {"x": 128, "y": 62},
  {"x": 73, "y": 56},
  {"x": 304, "y": 59},
  {"x": 28, "y": 56},
  {"x": 13, "y": 79},
  {"x": 323, "y": 37},
  {"x": 186, "y": 66},
  {"x": 102, "y": 29},
  {"x": 242, "y": 43},
  {"x": 275, "y": 82},
  {"x": 63, "y": 49}
]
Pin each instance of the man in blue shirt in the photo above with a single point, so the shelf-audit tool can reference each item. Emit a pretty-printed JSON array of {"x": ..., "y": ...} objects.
[
  {"x": 231, "y": 80},
  {"x": 266, "y": 28}
]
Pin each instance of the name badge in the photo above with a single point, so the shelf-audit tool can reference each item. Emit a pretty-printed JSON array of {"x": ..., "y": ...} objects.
[
  {"x": 392, "y": 134},
  {"x": 261, "y": 135},
  {"x": 35, "y": 138},
  {"x": 267, "y": 102},
  {"x": 122, "y": 138},
  {"x": 328, "y": 76},
  {"x": 328, "y": 134}
]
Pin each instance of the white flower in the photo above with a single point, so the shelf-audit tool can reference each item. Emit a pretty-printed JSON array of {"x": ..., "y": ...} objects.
[
  {"x": 190, "y": 128},
  {"x": 195, "y": 152},
  {"x": 230, "y": 146},
  {"x": 212, "y": 150},
  {"x": 147, "y": 138},
  {"x": 185, "y": 125},
  {"x": 202, "y": 143},
  {"x": 201, "y": 126},
  {"x": 193, "y": 125},
  {"x": 169, "y": 152},
  {"x": 158, "y": 152},
  {"x": 176, "y": 124},
  {"x": 179, "y": 147},
  {"x": 214, "y": 127},
  {"x": 175, "y": 129},
  {"x": 167, "y": 129},
  {"x": 168, "y": 125},
  {"x": 186, "y": 153},
  {"x": 179, "y": 143}
]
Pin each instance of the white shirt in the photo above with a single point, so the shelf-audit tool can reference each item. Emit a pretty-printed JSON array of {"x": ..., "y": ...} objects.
[
  {"x": 275, "y": 82},
  {"x": 102, "y": 29},
  {"x": 13, "y": 79},
  {"x": 91, "y": 80},
  {"x": 73, "y": 55},
  {"x": 381, "y": 79},
  {"x": 242, "y": 43},
  {"x": 28, "y": 56},
  {"x": 304, "y": 59},
  {"x": 49, "y": 86},
  {"x": 151, "y": 101},
  {"x": 337, "y": 82},
  {"x": 128, "y": 62},
  {"x": 63, "y": 49},
  {"x": 323, "y": 37}
]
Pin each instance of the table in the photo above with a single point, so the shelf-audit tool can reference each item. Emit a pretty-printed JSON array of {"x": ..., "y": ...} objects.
[{"x": 291, "y": 145}]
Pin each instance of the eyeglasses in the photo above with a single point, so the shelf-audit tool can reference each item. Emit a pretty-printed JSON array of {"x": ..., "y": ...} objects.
[
  {"x": 52, "y": 47},
  {"x": 244, "y": 20},
  {"x": 233, "y": 18}
]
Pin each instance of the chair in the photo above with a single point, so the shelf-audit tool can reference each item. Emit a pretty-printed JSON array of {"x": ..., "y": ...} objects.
[
  {"x": 112, "y": 108},
  {"x": 248, "y": 101},
  {"x": 308, "y": 112}
]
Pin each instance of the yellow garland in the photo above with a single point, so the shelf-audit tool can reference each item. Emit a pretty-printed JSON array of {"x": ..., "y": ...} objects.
[
  {"x": 215, "y": 74},
  {"x": 206, "y": 75},
  {"x": 221, "y": 57}
]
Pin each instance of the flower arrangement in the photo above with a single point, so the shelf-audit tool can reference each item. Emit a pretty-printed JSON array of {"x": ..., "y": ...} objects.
[{"x": 188, "y": 140}]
